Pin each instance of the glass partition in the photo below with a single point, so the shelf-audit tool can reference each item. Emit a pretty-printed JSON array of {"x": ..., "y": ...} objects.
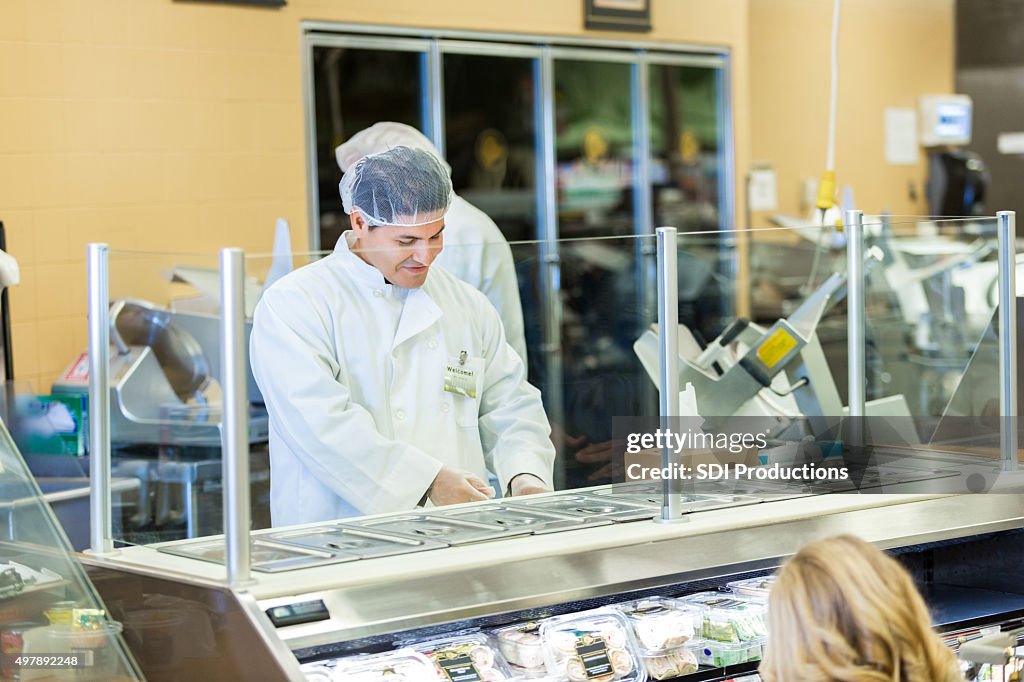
[
  {"x": 587, "y": 368},
  {"x": 589, "y": 347},
  {"x": 47, "y": 605},
  {"x": 971, "y": 414},
  {"x": 931, "y": 295},
  {"x": 166, "y": 396}
]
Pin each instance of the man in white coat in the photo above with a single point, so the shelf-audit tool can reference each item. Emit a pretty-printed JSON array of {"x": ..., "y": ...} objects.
[
  {"x": 390, "y": 384},
  {"x": 476, "y": 251}
]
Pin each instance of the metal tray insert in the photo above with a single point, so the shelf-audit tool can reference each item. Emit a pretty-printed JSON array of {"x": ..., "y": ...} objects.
[
  {"x": 435, "y": 527},
  {"x": 266, "y": 557},
  {"x": 592, "y": 506},
  {"x": 536, "y": 521},
  {"x": 361, "y": 543},
  {"x": 689, "y": 502}
]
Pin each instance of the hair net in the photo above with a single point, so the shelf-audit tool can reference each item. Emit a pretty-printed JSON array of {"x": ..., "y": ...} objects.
[
  {"x": 381, "y": 137},
  {"x": 400, "y": 186}
]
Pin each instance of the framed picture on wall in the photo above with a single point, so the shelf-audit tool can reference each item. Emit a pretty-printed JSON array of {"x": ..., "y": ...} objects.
[
  {"x": 258, "y": 3},
  {"x": 617, "y": 15}
]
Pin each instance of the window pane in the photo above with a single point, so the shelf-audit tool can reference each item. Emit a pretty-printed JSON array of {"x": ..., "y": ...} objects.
[
  {"x": 594, "y": 148},
  {"x": 490, "y": 138},
  {"x": 686, "y": 139},
  {"x": 686, "y": 173},
  {"x": 354, "y": 89},
  {"x": 601, "y": 306}
]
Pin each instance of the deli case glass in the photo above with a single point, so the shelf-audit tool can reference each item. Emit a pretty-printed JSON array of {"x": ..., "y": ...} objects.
[{"x": 53, "y": 625}]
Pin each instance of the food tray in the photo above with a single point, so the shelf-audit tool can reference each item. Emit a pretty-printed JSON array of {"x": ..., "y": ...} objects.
[
  {"x": 438, "y": 528},
  {"x": 536, "y": 521},
  {"x": 266, "y": 557},
  {"x": 590, "y": 506},
  {"x": 689, "y": 502},
  {"x": 352, "y": 541}
]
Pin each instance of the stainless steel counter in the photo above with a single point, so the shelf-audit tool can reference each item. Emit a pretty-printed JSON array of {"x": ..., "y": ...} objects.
[{"x": 391, "y": 594}]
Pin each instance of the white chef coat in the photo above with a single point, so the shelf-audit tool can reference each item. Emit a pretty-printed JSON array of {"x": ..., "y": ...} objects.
[
  {"x": 352, "y": 370},
  {"x": 477, "y": 253}
]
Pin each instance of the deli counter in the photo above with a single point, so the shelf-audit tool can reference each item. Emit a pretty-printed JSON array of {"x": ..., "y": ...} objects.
[
  {"x": 293, "y": 621},
  {"x": 572, "y": 585}
]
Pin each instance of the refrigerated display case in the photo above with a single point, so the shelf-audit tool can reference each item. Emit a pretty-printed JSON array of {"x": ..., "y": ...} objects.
[
  {"x": 53, "y": 625},
  {"x": 319, "y": 615}
]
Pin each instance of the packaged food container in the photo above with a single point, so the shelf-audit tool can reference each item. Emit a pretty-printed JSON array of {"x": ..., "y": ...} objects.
[
  {"x": 720, "y": 654},
  {"x": 661, "y": 624},
  {"x": 464, "y": 657},
  {"x": 401, "y": 665},
  {"x": 662, "y": 627},
  {"x": 729, "y": 618},
  {"x": 317, "y": 672},
  {"x": 665, "y": 665},
  {"x": 595, "y": 645},
  {"x": 521, "y": 646},
  {"x": 733, "y": 628},
  {"x": 755, "y": 589}
]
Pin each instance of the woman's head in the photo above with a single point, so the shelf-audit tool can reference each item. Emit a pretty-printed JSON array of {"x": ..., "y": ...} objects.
[{"x": 842, "y": 611}]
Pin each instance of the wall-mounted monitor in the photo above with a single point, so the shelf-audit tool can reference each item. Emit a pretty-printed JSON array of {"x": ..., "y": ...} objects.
[{"x": 945, "y": 120}]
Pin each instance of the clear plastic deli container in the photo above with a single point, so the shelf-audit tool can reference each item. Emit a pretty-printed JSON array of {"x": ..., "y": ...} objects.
[
  {"x": 595, "y": 645},
  {"x": 733, "y": 628},
  {"x": 673, "y": 663},
  {"x": 464, "y": 657},
  {"x": 756, "y": 589},
  {"x": 664, "y": 630},
  {"x": 401, "y": 665},
  {"x": 522, "y": 648}
]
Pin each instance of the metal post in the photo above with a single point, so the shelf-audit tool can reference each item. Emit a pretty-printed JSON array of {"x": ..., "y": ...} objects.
[
  {"x": 643, "y": 204},
  {"x": 1008, "y": 339},
  {"x": 645, "y": 249},
  {"x": 856, "y": 333},
  {"x": 235, "y": 426},
  {"x": 100, "y": 530},
  {"x": 434, "y": 94},
  {"x": 668, "y": 361},
  {"x": 550, "y": 266}
]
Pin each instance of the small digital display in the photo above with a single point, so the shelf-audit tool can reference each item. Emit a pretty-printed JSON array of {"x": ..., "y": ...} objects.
[
  {"x": 953, "y": 120},
  {"x": 300, "y": 612},
  {"x": 945, "y": 120}
]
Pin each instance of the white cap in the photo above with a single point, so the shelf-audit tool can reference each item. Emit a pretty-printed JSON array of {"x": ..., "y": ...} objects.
[{"x": 379, "y": 138}]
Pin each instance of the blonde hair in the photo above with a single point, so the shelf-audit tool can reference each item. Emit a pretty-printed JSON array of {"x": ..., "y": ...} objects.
[{"x": 842, "y": 611}]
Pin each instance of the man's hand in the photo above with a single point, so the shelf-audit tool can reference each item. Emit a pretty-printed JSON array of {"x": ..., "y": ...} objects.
[
  {"x": 528, "y": 484},
  {"x": 597, "y": 453},
  {"x": 452, "y": 486}
]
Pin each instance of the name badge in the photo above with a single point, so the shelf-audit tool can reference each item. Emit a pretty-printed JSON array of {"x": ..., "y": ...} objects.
[{"x": 460, "y": 375}]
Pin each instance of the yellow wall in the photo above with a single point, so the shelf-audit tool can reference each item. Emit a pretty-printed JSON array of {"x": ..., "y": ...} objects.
[
  {"x": 891, "y": 52},
  {"x": 163, "y": 125}
]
